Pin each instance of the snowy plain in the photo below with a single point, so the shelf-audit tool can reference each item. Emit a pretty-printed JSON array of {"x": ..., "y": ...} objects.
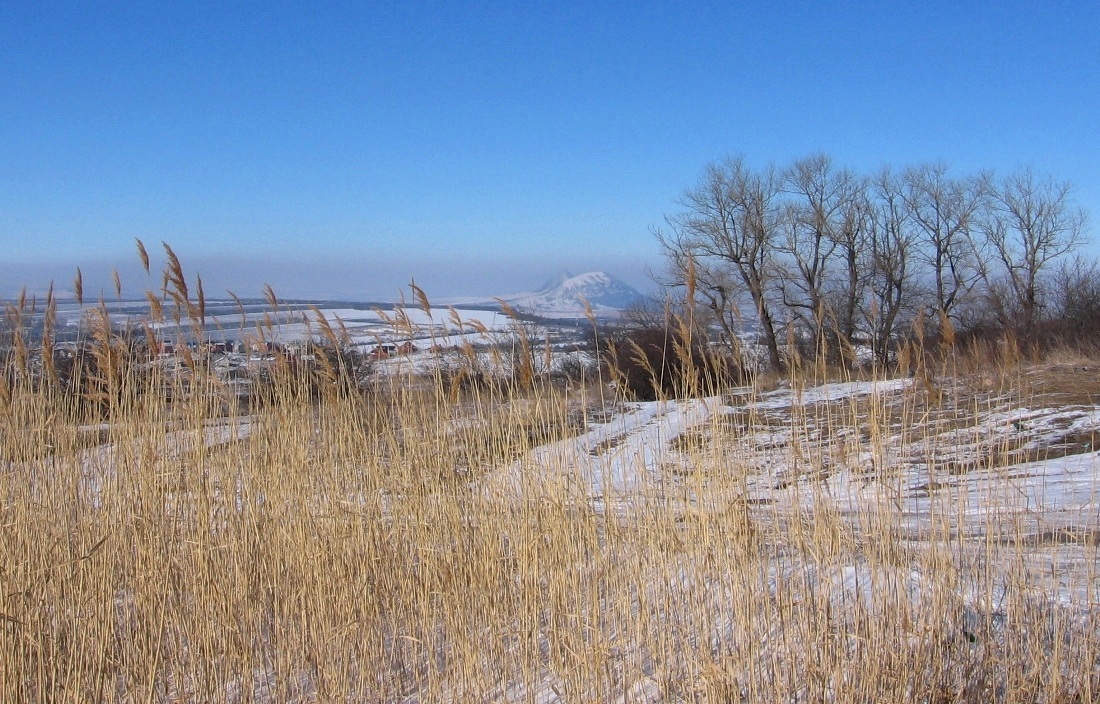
[{"x": 1014, "y": 489}]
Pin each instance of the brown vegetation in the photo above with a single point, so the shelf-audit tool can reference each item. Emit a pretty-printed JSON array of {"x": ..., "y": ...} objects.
[{"x": 334, "y": 544}]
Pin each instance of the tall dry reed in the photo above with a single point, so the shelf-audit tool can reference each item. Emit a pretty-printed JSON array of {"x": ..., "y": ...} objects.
[{"x": 160, "y": 542}]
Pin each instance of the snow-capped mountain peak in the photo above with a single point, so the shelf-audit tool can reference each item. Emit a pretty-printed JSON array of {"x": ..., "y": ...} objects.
[
  {"x": 557, "y": 280},
  {"x": 565, "y": 295}
]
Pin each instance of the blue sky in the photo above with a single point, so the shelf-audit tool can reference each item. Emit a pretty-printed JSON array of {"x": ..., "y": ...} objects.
[{"x": 343, "y": 149}]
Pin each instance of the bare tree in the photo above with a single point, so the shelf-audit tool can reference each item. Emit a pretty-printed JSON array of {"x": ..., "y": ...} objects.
[
  {"x": 1075, "y": 296},
  {"x": 717, "y": 287},
  {"x": 848, "y": 258},
  {"x": 824, "y": 222},
  {"x": 1030, "y": 223},
  {"x": 729, "y": 227},
  {"x": 944, "y": 211},
  {"x": 648, "y": 312},
  {"x": 852, "y": 238},
  {"x": 889, "y": 263}
]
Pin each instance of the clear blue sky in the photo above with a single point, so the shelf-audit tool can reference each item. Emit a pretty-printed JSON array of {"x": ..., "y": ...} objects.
[{"x": 481, "y": 148}]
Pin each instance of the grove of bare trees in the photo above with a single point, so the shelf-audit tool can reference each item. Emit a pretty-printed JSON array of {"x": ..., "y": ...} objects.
[{"x": 838, "y": 261}]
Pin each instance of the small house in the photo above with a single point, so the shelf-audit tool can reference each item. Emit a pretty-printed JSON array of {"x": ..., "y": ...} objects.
[{"x": 383, "y": 350}]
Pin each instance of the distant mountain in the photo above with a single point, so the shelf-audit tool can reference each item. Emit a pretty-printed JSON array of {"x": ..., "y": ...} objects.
[
  {"x": 563, "y": 295},
  {"x": 557, "y": 280}
]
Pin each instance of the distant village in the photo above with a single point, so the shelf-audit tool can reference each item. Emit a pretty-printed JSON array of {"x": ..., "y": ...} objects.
[{"x": 261, "y": 350}]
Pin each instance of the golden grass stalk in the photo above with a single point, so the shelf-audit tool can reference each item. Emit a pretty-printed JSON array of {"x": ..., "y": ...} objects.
[{"x": 418, "y": 543}]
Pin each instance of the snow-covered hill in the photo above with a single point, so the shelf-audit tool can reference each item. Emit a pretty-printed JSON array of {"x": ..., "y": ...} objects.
[{"x": 563, "y": 296}]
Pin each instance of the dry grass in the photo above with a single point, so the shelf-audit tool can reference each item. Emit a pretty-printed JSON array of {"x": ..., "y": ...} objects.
[{"x": 351, "y": 547}]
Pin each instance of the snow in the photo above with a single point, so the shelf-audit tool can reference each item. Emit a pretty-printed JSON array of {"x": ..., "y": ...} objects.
[
  {"x": 1050, "y": 502},
  {"x": 363, "y": 325},
  {"x": 565, "y": 296},
  {"x": 786, "y": 398},
  {"x": 628, "y": 451},
  {"x": 1024, "y": 530},
  {"x": 625, "y": 453}
]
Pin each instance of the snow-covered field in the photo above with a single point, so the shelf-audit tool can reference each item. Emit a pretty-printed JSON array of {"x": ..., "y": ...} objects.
[
  {"x": 1010, "y": 491},
  {"x": 815, "y": 442},
  {"x": 362, "y": 325},
  {"x": 987, "y": 463}
]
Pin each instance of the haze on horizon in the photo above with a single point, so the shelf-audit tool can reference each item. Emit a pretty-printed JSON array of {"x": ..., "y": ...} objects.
[{"x": 343, "y": 151}]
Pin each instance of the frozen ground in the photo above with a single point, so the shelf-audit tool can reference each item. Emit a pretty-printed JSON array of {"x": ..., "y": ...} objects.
[
  {"x": 1009, "y": 483},
  {"x": 844, "y": 442},
  {"x": 364, "y": 326}
]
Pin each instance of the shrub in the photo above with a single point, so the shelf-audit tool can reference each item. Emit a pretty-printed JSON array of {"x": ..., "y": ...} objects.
[{"x": 663, "y": 362}]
